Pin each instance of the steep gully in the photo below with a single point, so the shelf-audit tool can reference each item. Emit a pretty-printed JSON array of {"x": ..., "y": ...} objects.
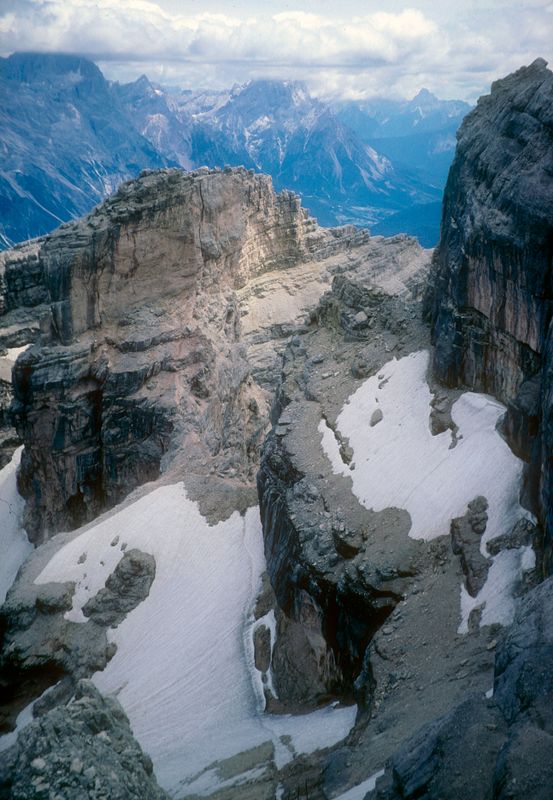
[{"x": 113, "y": 397}]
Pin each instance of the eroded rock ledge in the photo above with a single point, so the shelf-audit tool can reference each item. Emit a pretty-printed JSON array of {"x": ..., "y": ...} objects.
[{"x": 162, "y": 321}]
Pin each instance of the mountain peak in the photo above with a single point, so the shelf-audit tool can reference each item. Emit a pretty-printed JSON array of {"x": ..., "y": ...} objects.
[
  {"x": 277, "y": 90},
  {"x": 30, "y": 67},
  {"x": 425, "y": 96}
]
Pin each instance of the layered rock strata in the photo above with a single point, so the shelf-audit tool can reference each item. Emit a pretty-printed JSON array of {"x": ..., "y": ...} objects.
[
  {"x": 163, "y": 318},
  {"x": 490, "y": 296},
  {"x": 490, "y": 299},
  {"x": 162, "y": 315}
]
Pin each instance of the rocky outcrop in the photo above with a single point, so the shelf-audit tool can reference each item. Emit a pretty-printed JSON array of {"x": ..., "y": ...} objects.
[
  {"x": 163, "y": 314},
  {"x": 41, "y": 647},
  {"x": 494, "y": 747},
  {"x": 336, "y": 596},
  {"x": 140, "y": 307},
  {"x": 84, "y": 748},
  {"x": 490, "y": 296},
  {"x": 163, "y": 317},
  {"x": 490, "y": 300},
  {"x": 364, "y": 611}
]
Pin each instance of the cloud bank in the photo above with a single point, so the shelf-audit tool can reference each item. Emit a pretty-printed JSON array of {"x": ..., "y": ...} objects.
[{"x": 361, "y": 55}]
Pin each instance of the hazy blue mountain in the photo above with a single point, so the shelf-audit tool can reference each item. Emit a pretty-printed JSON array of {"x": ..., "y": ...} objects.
[
  {"x": 418, "y": 136},
  {"x": 69, "y": 137},
  {"x": 155, "y": 114},
  {"x": 278, "y": 128},
  {"x": 66, "y": 142}
]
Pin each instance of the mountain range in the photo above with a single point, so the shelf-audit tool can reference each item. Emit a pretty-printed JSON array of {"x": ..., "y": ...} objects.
[
  {"x": 304, "y": 470},
  {"x": 70, "y": 137}
]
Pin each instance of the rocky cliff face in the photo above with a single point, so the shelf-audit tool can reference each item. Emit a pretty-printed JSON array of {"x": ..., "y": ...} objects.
[
  {"x": 171, "y": 320},
  {"x": 141, "y": 333},
  {"x": 157, "y": 326},
  {"x": 490, "y": 299},
  {"x": 490, "y": 302},
  {"x": 159, "y": 338}
]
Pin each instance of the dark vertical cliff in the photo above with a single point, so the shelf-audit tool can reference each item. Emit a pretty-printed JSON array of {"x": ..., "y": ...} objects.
[{"x": 490, "y": 296}]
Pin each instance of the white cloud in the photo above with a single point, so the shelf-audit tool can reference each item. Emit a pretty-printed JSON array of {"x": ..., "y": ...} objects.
[{"x": 382, "y": 52}]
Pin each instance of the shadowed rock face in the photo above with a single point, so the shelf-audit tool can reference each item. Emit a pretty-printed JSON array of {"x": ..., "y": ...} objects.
[
  {"x": 490, "y": 302},
  {"x": 496, "y": 747},
  {"x": 490, "y": 295}
]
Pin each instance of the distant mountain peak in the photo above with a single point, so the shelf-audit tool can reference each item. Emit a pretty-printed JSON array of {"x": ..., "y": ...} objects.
[
  {"x": 425, "y": 96},
  {"x": 31, "y": 67},
  {"x": 143, "y": 81}
]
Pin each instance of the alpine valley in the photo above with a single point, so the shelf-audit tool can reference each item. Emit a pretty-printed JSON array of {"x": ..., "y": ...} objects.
[
  {"x": 276, "y": 499},
  {"x": 70, "y": 137}
]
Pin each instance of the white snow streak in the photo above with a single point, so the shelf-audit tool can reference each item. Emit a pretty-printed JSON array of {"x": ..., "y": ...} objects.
[
  {"x": 14, "y": 545},
  {"x": 399, "y": 463},
  {"x": 358, "y": 792},
  {"x": 182, "y": 671}
]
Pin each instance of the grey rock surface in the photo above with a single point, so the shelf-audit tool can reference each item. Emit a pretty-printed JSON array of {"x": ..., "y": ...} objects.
[
  {"x": 125, "y": 588},
  {"x": 40, "y": 647},
  {"x": 490, "y": 748},
  {"x": 491, "y": 268},
  {"x": 489, "y": 295},
  {"x": 81, "y": 749},
  {"x": 466, "y": 533}
]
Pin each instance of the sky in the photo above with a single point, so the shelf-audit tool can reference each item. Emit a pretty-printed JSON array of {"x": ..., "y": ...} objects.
[{"x": 351, "y": 49}]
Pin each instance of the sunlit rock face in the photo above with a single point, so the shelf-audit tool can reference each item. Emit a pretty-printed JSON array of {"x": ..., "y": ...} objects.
[
  {"x": 490, "y": 295},
  {"x": 163, "y": 315}
]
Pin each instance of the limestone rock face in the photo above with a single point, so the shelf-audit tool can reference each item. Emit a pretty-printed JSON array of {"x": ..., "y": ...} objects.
[
  {"x": 490, "y": 295},
  {"x": 163, "y": 315}
]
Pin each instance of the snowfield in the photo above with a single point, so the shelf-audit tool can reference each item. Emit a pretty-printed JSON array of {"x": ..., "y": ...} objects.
[
  {"x": 184, "y": 669},
  {"x": 14, "y": 545},
  {"x": 399, "y": 463}
]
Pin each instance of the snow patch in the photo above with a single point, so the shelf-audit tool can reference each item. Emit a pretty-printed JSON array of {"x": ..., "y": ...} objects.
[
  {"x": 399, "y": 463},
  {"x": 14, "y": 545},
  {"x": 332, "y": 449},
  {"x": 496, "y": 598},
  {"x": 358, "y": 792},
  {"x": 183, "y": 671},
  {"x": 13, "y": 353}
]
